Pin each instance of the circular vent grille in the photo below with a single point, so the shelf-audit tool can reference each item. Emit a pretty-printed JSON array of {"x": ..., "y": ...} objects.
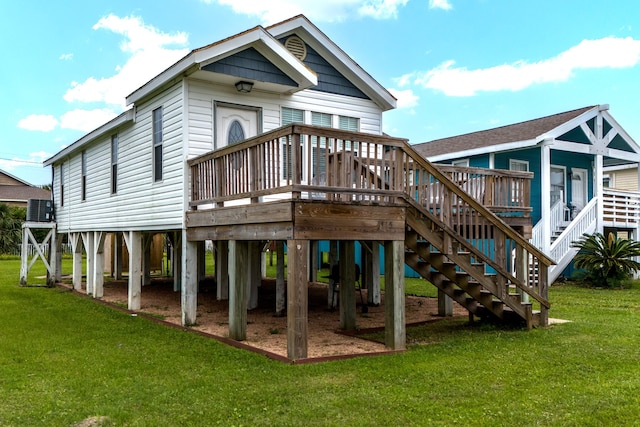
[{"x": 296, "y": 46}]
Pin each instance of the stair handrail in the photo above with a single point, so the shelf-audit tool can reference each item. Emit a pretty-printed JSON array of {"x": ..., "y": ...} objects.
[
  {"x": 557, "y": 218},
  {"x": 450, "y": 198},
  {"x": 459, "y": 192},
  {"x": 576, "y": 228}
]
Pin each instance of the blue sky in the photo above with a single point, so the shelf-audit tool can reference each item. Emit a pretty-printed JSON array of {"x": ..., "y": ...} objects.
[{"x": 456, "y": 66}]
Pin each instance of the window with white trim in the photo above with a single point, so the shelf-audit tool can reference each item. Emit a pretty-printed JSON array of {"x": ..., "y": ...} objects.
[
  {"x": 83, "y": 176},
  {"x": 518, "y": 165},
  {"x": 289, "y": 116},
  {"x": 114, "y": 164},
  {"x": 352, "y": 124},
  {"x": 62, "y": 184},
  {"x": 157, "y": 144},
  {"x": 461, "y": 162}
]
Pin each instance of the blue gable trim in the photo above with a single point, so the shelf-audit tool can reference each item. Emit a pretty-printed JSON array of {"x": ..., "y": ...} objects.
[
  {"x": 330, "y": 80},
  {"x": 251, "y": 65}
]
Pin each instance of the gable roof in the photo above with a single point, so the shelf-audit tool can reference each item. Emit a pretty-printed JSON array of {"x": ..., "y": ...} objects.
[
  {"x": 6, "y": 178},
  {"x": 524, "y": 133},
  {"x": 307, "y": 31},
  {"x": 256, "y": 37},
  {"x": 265, "y": 42}
]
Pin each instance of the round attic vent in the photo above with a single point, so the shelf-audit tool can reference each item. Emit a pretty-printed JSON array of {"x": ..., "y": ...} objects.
[{"x": 296, "y": 46}]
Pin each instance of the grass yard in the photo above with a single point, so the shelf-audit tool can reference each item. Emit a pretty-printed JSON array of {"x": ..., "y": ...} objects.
[{"x": 65, "y": 358}]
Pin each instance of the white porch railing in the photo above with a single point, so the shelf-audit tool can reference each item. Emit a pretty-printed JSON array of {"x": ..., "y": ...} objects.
[
  {"x": 621, "y": 208},
  {"x": 557, "y": 222},
  {"x": 561, "y": 251}
]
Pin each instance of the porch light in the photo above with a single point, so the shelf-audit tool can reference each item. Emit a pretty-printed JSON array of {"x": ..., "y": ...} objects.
[{"x": 244, "y": 87}]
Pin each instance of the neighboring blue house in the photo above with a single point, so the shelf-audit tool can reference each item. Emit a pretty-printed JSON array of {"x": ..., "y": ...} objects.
[{"x": 567, "y": 152}]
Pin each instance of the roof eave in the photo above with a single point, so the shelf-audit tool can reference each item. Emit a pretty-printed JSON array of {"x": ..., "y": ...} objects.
[
  {"x": 110, "y": 126},
  {"x": 180, "y": 67},
  {"x": 509, "y": 146}
]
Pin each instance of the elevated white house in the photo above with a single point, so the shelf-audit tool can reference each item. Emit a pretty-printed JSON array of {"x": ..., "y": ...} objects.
[{"x": 275, "y": 134}]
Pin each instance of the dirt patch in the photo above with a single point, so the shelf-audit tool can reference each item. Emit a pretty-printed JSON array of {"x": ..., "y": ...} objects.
[{"x": 268, "y": 332}]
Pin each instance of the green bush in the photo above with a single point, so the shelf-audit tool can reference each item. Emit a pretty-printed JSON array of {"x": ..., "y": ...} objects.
[{"x": 607, "y": 261}]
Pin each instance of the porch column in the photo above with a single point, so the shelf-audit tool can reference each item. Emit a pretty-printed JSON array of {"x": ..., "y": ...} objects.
[
  {"x": 76, "y": 247},
  {"x": 202, "y": 260},
  {"x": 117, "y": 256},
  {"x": 445, "y": 304},
  {"x": 222, "y": 270},
  {"x": 133, "y": 240},
  {"x": 189, "y": 280},
  {"x": 87, "y": 240},
  {"x": 56, "y": 258},
  {"x": 177, "y": 260},
  {"x": 545, "y": 208},
  {"x": 332, "y": 296},
  {"x": 347, "y": 285},
  {"x": 373, "y": 288},
  {"x": 297, "y": 298},
  {"x": 313, "y": 261},
  {"x": 599, "y": 191},
  {"x": 146, "y": 258},
  {"x": 371, "y": 271},
  {"x": 280, "y": 286},
  {"x": 394, "y": 322},
  {"x": 98, "y": 264},
  {"x": 238, "y": 259},
  {"x": 254, "y": 273}
]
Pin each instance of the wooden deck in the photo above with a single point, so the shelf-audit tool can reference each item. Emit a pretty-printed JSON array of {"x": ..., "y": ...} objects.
[{"x": 299, "y": 184}]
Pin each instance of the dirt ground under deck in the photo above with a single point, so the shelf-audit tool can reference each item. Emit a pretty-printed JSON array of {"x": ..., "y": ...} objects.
[{"x": 267, "y": 332}]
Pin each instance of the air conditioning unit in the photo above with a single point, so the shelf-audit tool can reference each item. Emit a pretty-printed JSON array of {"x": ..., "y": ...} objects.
[{"x": 39, "y": 210}]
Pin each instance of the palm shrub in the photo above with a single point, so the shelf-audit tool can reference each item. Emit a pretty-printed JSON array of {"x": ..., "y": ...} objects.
[
  {"x": 11, "y": 219},
  {"x": 607, "y": 261}
]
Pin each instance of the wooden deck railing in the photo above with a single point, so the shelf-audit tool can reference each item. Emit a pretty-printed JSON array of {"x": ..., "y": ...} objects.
[{"x": 300, "y": 161}]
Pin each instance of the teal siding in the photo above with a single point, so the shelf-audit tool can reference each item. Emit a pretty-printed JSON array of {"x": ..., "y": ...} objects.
[
  {"x": 574, "y": 160},
  {"x": 532, "y": 156}
]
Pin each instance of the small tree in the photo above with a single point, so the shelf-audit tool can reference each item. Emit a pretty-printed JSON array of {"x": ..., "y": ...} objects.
[
  {"x": 11, "y": 219},
  {"x": 607, "y": 261}
]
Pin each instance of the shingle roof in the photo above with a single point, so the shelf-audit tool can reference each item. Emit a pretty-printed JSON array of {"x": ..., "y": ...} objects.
[
  {"x": 22, "y": 193},
  {"x": 523, "y": 131}
]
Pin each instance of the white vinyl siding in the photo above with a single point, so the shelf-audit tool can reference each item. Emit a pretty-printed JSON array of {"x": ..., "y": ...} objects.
[{"x": 140, "y": 203}]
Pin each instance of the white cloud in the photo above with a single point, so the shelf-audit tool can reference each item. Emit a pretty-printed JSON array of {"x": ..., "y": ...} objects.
[
  {"x": 440, "y": 4},
  {"x": 34, "y": 159},
  {"x": 320, "y": 11},
  {"x": 588, "y": 54},
  {"x": 406, "y": 98},
  {"x": 39, "y": 156},
  {"x": 66, "y": 56},
  {"x": 382, "y": 9},
  {"x": 39, "y": 122},
  {"x": 149, "y": 55},
  {"x": 86, "y": 120}
]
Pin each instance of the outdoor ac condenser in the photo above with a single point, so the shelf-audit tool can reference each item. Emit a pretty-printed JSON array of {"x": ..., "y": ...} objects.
[{"x": 39, "y": 210}]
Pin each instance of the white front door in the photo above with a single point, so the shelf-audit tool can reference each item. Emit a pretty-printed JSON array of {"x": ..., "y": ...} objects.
[
  {"x": 579, "y": 190},
  {"x": 234, "y": 124}
]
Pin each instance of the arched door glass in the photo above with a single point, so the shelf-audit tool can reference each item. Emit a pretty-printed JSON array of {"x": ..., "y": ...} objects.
[{"x": 236, "y": 133}]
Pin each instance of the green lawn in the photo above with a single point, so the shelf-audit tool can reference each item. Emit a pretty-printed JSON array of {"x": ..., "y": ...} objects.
[{"x": 65, "y": 358}]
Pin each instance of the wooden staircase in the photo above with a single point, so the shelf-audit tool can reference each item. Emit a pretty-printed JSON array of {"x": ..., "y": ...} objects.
[{"x": 461, "y": 272}]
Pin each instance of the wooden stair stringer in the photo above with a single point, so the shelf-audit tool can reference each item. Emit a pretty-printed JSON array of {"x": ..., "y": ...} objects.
[{"x": 423, "y": 232}]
